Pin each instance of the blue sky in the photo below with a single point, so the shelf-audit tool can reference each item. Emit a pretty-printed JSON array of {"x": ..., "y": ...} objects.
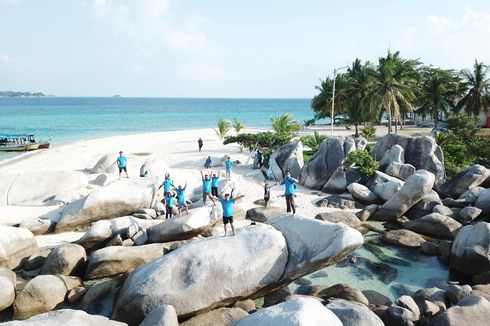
[{"x": 218, "y": 48}]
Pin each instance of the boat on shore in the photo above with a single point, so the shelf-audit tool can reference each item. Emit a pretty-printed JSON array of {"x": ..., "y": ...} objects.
[{"x": 21, "y": 143}]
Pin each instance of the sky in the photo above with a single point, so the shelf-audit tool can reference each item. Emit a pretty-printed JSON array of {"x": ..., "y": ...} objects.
[{"x": 222, "y": 48}]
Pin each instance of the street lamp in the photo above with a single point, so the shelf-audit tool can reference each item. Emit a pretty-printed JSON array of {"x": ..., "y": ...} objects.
[{"x": 333, "y": 98}]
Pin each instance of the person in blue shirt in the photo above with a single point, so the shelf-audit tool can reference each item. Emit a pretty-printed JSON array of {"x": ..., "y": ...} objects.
[
  {"x": 208, "y": 162},
  {"x": 214, "y": 184},
  {"x": 260, "y": 158},
  {"x": 121, "y": 164},
  {"x": 228, "y": 165},
  {"x": 227, "y": 204},
  {"x": 167, "y": 184},
  {"x": 206, "y": 188},
  {"x": 181, "y": 198},
  {"x": 289, "y": 188},
  {"x": 169, "y": 204}
]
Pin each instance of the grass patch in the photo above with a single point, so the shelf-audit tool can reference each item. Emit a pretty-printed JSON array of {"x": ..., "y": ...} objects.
[{"x": 142, "y": 153}]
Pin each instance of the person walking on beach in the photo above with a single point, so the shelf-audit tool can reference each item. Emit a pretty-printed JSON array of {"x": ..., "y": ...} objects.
[
  {"x": 267, "y": 193},
  {"x": 289, "y": 189},
  {"x": 208, "y": 162},
  {"x": 169, "y": 204},
  {"x": 227, "y": 204},
  {"x": 121, "y": 164},
  {"x": 200, "y": 143},
  {"x": 181, "y": 198},
  {"x": 214, "y": 184},
  {"x": 206, "y": 188},
  {"x": 166, "y": 184},
  {"x": 260, "y": 158},
  {"x": 228, "y": 165}
]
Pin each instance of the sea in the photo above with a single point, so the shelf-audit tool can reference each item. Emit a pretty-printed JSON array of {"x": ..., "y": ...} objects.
[{"x": 68, "y": 119}]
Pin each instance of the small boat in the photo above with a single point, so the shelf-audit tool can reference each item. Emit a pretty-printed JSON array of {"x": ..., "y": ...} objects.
[
  {"x": 44, "y": 143},
  {"x": 19, "y": 143}
]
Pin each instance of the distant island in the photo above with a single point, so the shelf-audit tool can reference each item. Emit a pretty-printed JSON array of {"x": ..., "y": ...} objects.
[{"x": 20, "y": 94}]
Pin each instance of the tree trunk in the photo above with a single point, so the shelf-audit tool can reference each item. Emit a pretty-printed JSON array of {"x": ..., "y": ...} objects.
[
  {"x": 389, "y": 120},
  {"x": 357, "y": 132}
]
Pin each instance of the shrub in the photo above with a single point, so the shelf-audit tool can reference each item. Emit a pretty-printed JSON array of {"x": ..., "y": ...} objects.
[
  {"x": 363, "y": 161},
  {"x": 368, "y": 132},
  {"x": 313, "y": 142},
  {"x": 463, "y": 127}
]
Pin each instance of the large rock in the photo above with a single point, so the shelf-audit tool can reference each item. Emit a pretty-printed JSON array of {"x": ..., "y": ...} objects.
[
  {"x": 340, "y": 179},
  {"x": 352, "y": 313},
  {"x": 396, "y": 154},
  {"x": 470, "y": 196},
  {"x": 343, "y": 291},
  {"x": 400, "y": 170},
  {"x": 37, "y": 186},
  {"x": 7, "y": 288},
  {"x": 64, "y": 260},
  {"x": 434, "y": 225},
  {"x": 106, "y": 164},
  {"x": 182, "y": 228},
  {"x": 404, "y": 238},
  {"x": 262, "y": 214},
  {"x": 421, "y": 152},
  {"x": 288, "y": 157},
  {"x": 465, "y": 180},
  {"x": 424, "y": 206},
  {"x": 182, "y": 276},
  {"x": 471, "y": 310},
  {"x": 298, "y": 312},
  {"x": 117, "y": 260},
  {"x": 16, "y": 245},
  {"x": 162, "y": 316},
  {"x": 217, "y": 317},
  {"x": 348, "y": 218},
  {"x": 362, "y": 194},
  {"x": 314, "y": 244},
  {"x": 384, "y": 185},
  {"x": 65, "y": 317},
  {"x": 103, "y": 230},
  {"x": 483, "y": 202},
  {"x": 415, "y": 188},
  {"x": 329, "y": 157},
  {"x": 117, "y": 199},
  {"x": 470, "y": 252},
  {"x": 41, "y": 294}
]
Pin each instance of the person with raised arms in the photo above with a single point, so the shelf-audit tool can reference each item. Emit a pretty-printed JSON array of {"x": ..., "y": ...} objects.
[
  {"x": 206, "y": 188},
  {"x": 227, "y": 204},
  {"x": 167, "y": 184},
  {"x": 181, "y": 198},
  {"x": 289, "y": 189}
]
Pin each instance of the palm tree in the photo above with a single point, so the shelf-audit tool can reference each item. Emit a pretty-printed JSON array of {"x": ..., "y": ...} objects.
[
  {"x": 393, "y": 87},
  {"x": 357, "y": 88},
  {"x": 285, "y": 125},
  {"x": 478, "y": 85},
  {"x": 224, "y": 126},
  {"x": 238, "y": 126},
  {"x": 322, "y": 102},
  {"x": 438, "y": 92},
  {"x": 314, "y": 142}
]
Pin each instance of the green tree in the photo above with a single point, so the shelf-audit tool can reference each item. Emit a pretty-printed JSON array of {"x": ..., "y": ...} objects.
[
  {"x": 314, "y": 141},
  {"x": 285, "y": 125},
  {"x": 322, "y": 102},
  {"x": 357, "y": 88},
  {"x": 224, "y": 126},
  {"x": 477, "y": 83},
  {"x": 438, "y": 92},
  {"x": 393, "y": 87},
  {"x": 238, "y": 126}
]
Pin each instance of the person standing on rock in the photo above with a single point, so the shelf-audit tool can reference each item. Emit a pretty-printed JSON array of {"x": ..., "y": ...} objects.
[
  {"x": 169, "y": 204},
  {"x": 267, "y": 193},
  {"x": 167, "y": 184},
  {"x": 228, "y": 166},
  {"x": 289, "y": 189},
  {"x": 227, "y": 204},
  {"x": 214, "y": 184},
  {"x": 121, "y": 164},
  {"x": 181, "y": 198},
  {"x": 206, "y": 188},
  {"x": 200, "y": 143}
]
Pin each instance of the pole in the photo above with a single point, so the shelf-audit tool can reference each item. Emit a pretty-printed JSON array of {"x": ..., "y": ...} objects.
[{"x": 333, "y": 103}]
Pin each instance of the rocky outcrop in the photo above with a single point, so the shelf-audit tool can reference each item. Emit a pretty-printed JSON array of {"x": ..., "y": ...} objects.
[
  {"x": 465, "y": 180},
  {"x": 288, "y": 157},
  {"x": 421, "y": 152},
  {"x": 217, "y": 317},
  {"x": 65, "y": 317},
  {"x": 329, "y": 157},
  {"x": 262, "y": 214},
  {"x": 434, "y": 225},
  {"x": 470, "y": 252},
  {"x": 348, "y": 218},
  {"x": 404, "y": 238},
  {"x": 117, "y": 199},
  {"x": 111, "y": 261},
  {"x": 16, "y": 245},
  {"x": 362, "y": 194},
  {"x": 106, "y": 164},
  {"x": 396, "y": 154},
  {"x": 483, "y": 202},
  {"x": 7, "y": 288},
  {"x": 473, "y": 310},
  {"x": 340, "y": 179},
  {"x": 352, "y": 313},
  {"x": 161, "y": 316},
  {"x": 64, "y": 260},
  {"x": 37, "y": 186},
  {"x": 400, "y": 170},
  {"x": 414, "y": 189},
  {"x": 298, "y": 312}
]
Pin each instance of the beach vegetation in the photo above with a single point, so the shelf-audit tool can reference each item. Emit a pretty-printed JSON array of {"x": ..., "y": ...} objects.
[
  {"x": 313, "y": 141},
  {"x": 285, "y": 125},
  {"x": 363, "y": 161},
  {"x": 368, "y": 132},
  {"x": 477, "y": 84},
  {"x": 309, "y": 122},
  {"x": 238, "y": 126},
  {"x": 223, "y": 127}
]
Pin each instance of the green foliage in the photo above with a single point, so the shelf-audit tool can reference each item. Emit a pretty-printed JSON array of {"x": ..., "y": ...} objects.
[
  {"x": 285, "y": 125},
  {"x": 463, "y": 127},
  {"x": 224, "y": 126},
  {"x": 440, "y": 138},
  {"x": 363, "y": 161},
  {"x": 457, "y": 157},
  {"x": 313, "y": 142},
  {"x": 309, "y": 122},
  {"x": 238, "y": 126},
  {"x": 266, "y": 141},
  {"x": 368, "y": 132},
  {"x": 477, "y": 84}
]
